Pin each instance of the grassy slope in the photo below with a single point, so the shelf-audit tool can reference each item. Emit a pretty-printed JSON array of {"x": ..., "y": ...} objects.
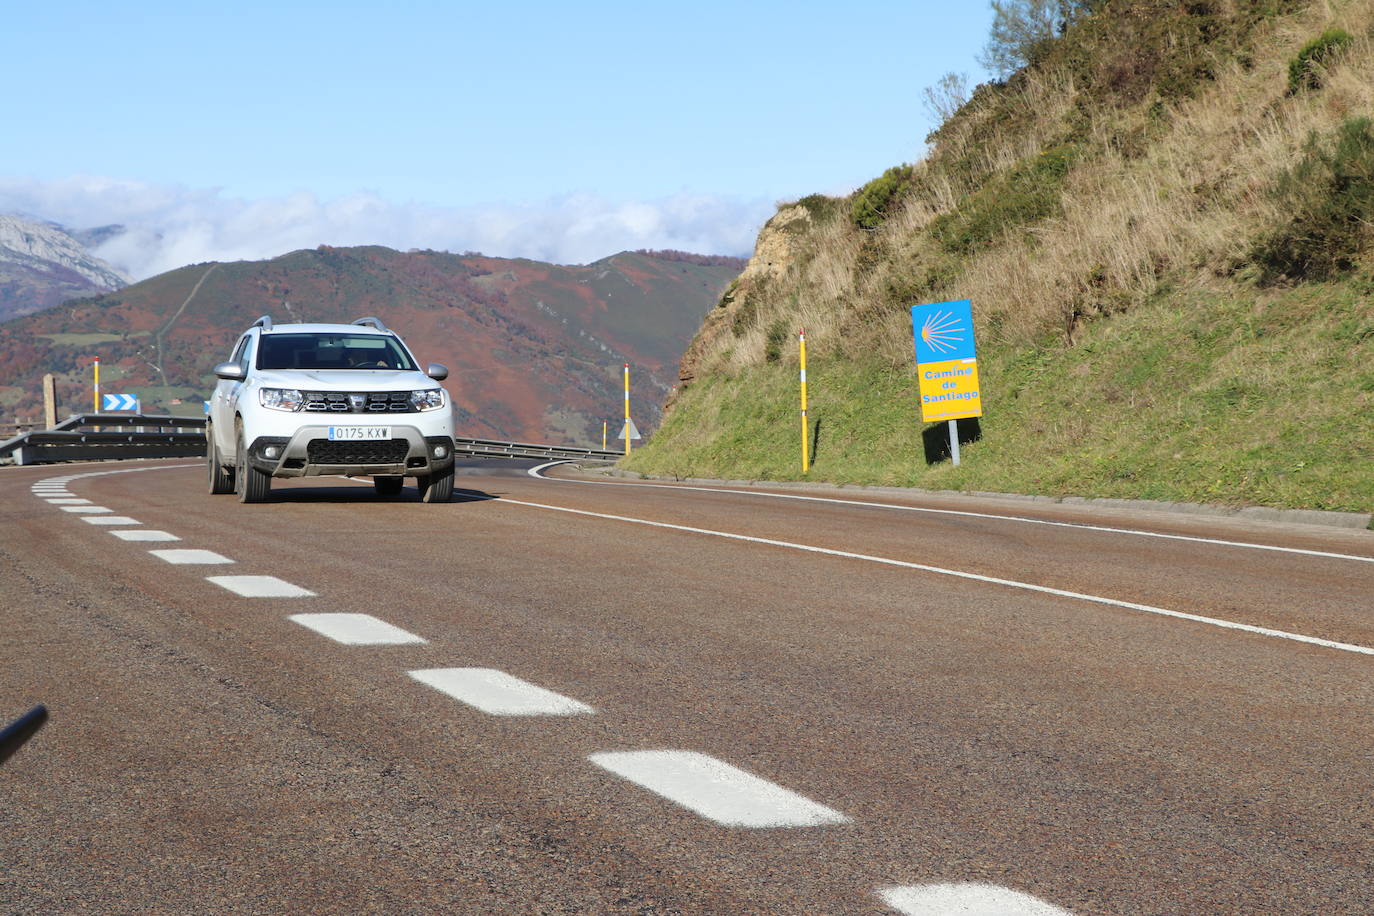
[
  {"x": 1266, "y": 399},
  {"x": 1127, "y": 348}
]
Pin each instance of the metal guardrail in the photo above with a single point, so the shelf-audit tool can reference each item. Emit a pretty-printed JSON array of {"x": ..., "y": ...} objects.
[
  {"x": 162, "y": 421},
  {"x": 67, "y": 441}
]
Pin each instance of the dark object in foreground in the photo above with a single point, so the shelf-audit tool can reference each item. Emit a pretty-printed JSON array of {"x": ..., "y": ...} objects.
[{"x": 21, "y": 730}]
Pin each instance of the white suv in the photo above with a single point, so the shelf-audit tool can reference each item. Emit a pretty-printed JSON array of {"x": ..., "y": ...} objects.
[{"x": 298, "y": 400}]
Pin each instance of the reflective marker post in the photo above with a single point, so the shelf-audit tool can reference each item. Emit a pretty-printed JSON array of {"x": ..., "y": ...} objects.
[
  {"x": 806, "y": 456},
  {"x": 627, "y": 410},
  {"x": 96, "y": 399},
  {"x": 603, "y": 435}
]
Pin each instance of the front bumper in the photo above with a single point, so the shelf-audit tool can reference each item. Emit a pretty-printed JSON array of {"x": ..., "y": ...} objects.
[{"x": 309, "y": 452}]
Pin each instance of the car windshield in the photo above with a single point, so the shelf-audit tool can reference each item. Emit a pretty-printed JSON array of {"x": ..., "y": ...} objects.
[{"x": 331, "y": 351}]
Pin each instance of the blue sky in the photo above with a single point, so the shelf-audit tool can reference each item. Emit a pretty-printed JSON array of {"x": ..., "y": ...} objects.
[{"x": 493, "y": 123}]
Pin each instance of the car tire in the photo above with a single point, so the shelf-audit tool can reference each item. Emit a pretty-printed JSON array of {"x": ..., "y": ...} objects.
[
  {"x": 221, "y": 478},
  {"x": 436, "y": 488},
  {"x": 252, "y": 485},
  {"x": 388, "y": 486}
]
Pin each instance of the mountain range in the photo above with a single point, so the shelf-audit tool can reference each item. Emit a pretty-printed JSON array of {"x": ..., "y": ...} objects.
[
  {"x": 536, "y": 350},
  {"x": 43, "y": 264}
]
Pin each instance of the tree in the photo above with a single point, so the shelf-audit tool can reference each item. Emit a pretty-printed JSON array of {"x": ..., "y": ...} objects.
[
  {"x": 946, "y": 97},
  {"x": 1023, "y": 29}
]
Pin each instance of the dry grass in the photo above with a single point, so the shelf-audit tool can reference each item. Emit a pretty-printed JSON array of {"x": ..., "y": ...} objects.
[{"x": 1188, "y": 208}]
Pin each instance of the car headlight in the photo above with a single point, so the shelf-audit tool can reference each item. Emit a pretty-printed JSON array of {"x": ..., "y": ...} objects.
[
  {"x": 428, "y": 399},
  {"x": 280, "y": 398}
]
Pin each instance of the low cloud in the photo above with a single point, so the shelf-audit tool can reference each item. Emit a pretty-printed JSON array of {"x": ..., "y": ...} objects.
[{"x": 169, "y": 226}]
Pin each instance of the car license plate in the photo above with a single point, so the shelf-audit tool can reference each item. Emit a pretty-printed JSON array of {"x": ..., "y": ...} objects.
[{"x": 356, "y": 433}]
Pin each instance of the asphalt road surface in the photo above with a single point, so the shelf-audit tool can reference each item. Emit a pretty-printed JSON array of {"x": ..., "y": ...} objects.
[{"x": 572, "y": 696}]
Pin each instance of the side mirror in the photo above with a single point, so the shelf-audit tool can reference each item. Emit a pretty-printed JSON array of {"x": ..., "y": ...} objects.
[
  {"x": 230, "y": 372},
  {"x": 437, "y": 371}
]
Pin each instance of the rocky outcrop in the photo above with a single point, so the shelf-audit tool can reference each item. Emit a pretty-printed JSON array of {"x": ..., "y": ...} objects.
[
  {"x": 774, "y": 252},
  {"x": 42, "y": 264}
]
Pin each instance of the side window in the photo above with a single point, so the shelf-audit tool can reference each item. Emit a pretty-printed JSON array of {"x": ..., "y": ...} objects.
[
  {"x": 238, "y": 351},
  {"x": 242, "y": 354}
]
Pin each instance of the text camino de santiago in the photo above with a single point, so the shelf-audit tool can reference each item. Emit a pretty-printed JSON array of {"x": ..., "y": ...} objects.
[{"x": 953, "y": 395}]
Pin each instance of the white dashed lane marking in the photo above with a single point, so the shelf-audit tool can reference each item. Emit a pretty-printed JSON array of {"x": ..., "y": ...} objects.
[
  {"x": 144, "y": 534},
  {"x": 356, "y": 629},
  {"x": 68, "y": 501},
  {"x": 183, "y": 557},
  {"x": 84, "y": 509},
  {"x": 969, "y": 899},
  {"x": 716, "y": 790},
  {"x": 498, "y": 693},
  {"x": 110, "y": 520},
  {"x": 259, "y": 586}
]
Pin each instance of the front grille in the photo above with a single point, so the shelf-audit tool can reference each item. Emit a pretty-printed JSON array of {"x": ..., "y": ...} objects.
[
  {"x": 387, "y": 451},
  {"x": 372, "y": 401}
]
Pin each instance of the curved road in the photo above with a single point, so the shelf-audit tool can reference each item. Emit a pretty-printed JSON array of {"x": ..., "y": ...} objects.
[{"x": 577, "y": 696}]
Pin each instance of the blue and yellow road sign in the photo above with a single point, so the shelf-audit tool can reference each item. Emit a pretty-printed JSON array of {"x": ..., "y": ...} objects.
[{"x": 946, "y": 360}]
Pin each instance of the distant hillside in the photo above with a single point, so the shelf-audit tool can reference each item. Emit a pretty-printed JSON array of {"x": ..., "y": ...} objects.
[
  {"x": 1164, "y": 224},
  {"x": 43, "y": 264},
  {"x": 536, "y": 350}
]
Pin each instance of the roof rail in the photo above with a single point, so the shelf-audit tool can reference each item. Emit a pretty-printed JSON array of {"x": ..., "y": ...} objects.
[
  {"x": 373, "y": 322},
  {"x": 265, "y": 322}
]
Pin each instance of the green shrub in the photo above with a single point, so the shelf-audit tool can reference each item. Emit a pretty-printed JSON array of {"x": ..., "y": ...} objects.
[
  {"x": 1029, "y": 193},
  {"x": 818, "y": 205},
  {"x": 1303, "y": 70},
  {"x": 873, "y": 201},
  {"x": 1330, "y": 194}
]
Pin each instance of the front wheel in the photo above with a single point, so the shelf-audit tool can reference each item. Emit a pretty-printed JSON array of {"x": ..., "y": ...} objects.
[
  {"x": 252, "y": 485},
  {"x": 436, "y": 488},
  {"x": 221, "y": 478}
]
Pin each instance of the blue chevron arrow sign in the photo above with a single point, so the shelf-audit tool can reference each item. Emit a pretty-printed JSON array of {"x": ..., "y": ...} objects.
[{"x": 119, "y": 402}]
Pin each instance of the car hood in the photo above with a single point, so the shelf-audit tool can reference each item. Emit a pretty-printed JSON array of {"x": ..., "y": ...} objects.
[{"x": 345, "y": 379}]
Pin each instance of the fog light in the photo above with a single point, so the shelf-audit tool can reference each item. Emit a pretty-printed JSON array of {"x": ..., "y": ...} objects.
[
  {"x": 272, "y": 451},
  {"x": 441, "y": 451}
]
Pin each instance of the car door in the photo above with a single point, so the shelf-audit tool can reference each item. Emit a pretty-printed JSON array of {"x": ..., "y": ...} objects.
[{"x": 224, "y": 402}]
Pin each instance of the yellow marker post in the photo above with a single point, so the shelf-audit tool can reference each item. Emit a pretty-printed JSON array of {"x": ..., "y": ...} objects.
[
  {"x": 603, "y": 435},
  {"x": 806, "y": 445},
  {"x": 627, "y": 410},
  {"x": 97, "y": 385}
]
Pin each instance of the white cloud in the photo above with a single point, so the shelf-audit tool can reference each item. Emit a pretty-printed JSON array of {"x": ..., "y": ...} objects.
[{"x": 170, "y": 226}]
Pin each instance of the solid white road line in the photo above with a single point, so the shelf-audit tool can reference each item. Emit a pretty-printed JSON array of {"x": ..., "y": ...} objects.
[
  {"x": 85, "y": 509},
  {"x": 68, "y": 501},
  {"x": 537, "y": 472},
  {"x": 498, "y": 693},
  {"x": 958, "y": 574},
  {"x": 356, "y": 629},
  {"x": 183, "y": 557},
  {"x": 109, "y": 520},
  {"x": 259, "y": 586},
  {"x": 716, "y": 790},
  {"x": 144, "y": 534},
  {"x": 965, "y": 900}
]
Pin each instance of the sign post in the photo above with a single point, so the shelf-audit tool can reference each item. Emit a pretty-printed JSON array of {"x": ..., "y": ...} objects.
[{"x": 947, "y": 365}]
